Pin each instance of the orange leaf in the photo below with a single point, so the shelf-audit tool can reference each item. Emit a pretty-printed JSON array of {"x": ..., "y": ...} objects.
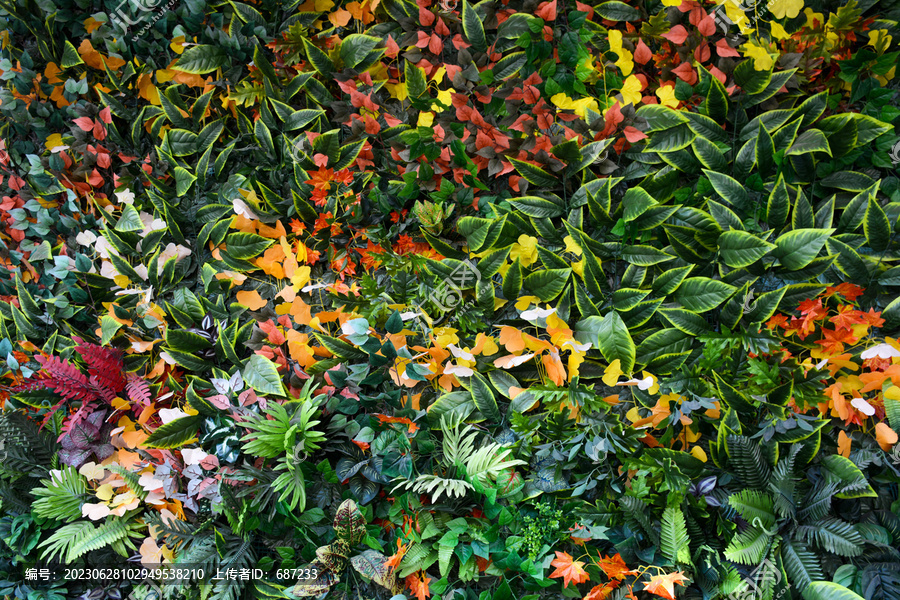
[
  {"x": 614, "y": 567},
  {"x": 340, "y": 17},
  {"x": 886, "y": 436},
  {"x": 600, "y": 592},
  {"x": 664, "y": 585},
  {"x": 251, "y": 299},
  {"x": 569, "y": 569},
  {"x": 843, "y": 445},
  {"x": 418, "y": 585}
]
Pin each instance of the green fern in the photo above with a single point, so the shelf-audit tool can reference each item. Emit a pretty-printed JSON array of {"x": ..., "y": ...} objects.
[
  {"x": 748, "y": 462},
  {"x": 61, "y": 496},
  {"x": 749, "y": 547},
  {"x": 802, "y": 565},
  {"x": 753, "y": 506},
  {"x": 673, "y": 537},
  {"x": 77, "y": 539},
  {"x": 833, "y": 535}
]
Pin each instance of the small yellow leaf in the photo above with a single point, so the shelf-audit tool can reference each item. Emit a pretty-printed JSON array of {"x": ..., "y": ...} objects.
[{"x": 425, "y": 119}]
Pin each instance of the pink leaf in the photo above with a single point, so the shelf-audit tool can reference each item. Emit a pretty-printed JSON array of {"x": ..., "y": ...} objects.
[
  {"x": 677, "y": 35},
  {"x": 85, "y": 123},
  {"x": 634, "y": 135}
]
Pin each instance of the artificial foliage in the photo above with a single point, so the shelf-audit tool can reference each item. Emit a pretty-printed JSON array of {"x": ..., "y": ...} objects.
[{"x": 515, "y": 299}]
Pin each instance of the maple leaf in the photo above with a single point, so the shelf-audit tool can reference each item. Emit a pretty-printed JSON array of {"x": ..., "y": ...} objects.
[
  {"x": 614, "y": 567},
  {"x": 418, "y": 585},
  {"x": 833, "y": 342},
  {"x": 600, "y": 592},
  {"x": 569, "y": 569},
  {"x": 664, "y": 585}
]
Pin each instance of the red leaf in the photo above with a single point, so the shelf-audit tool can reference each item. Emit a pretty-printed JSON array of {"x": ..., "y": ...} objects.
[
  {"x": 725, "y": 50},
  {"x": 677, "y": 35},
  {"x": 686, "y": 73},
  {"x": 393, "y": 49},
  {"x": 642, "y": 54},
  {"x": 441, "y": 28},
  {"x": 106, "y": 115},
  {"x": 634, "y": 135},
  {"x": 85, "y": 123},
  {"x": 546, "y": 11},
  {"x": 585, "y": 8},
  {"x": 426, "y": 17}
]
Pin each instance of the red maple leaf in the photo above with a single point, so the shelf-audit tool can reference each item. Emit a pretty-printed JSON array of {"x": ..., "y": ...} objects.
[
  {"x": 569, "y": 569},
  {"x": 833, "y": 342},
  {"x": 418, "y": 585},
  {"x": 614, "y": 567},
  {"x": 664, "y": 585}
]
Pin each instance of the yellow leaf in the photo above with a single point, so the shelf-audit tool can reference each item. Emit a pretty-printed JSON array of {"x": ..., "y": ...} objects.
[
  {"x": 666, "y": 95},
  {"x": 425, "y": 119},
  {"x": 120, "y": 404},
  {"x": 698, "y": 453},
  {"x": 104, "y": 492},
  {"x": 177, "y": 45},
  {"x": 439, "y": 74},
  {"x": 631, "y": 91},
  {"x": 398, "y": 90},
  {"x": 53, "y": 141},
  {"x": 612, "y": 372},
  {"x": 323, "y": 5},
  {"x": 762, "y": 61},
  {"x": 525, "y": 301},
  {"x": 779, "y": 32},
  {"x": 90, "y": 24},
  {"x": 785, "y": 8},
  {"x": 251, "y": 299}
]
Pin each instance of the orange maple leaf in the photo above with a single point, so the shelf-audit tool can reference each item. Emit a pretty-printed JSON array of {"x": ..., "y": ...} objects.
[
  {"x": 614, "y": 567},
  {"x": 418, "y": 584},
  {"x": 664, "y": 585},
  {"x": 600, "y": 592},
  {"x": 569, "y": 569}
]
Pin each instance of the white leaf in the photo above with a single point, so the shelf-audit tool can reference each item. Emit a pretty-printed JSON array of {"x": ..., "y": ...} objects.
[
  {"x": 863, "y": 407},
  {"x": 537, "y": 313},
  {"x": 881, "y": 350},
  {"x": 458, "y": 370}
]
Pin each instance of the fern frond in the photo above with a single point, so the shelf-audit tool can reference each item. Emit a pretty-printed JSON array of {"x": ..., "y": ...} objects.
[
  {"x": 104, "y": 367},
  {"x": 111, "y": 531},
  {"x": 636, "y": 515},
  {"x": 673, "y": 537},
  {"x": 817, "y": 503},
  {"x": 131, "y": 478},
  {"x": 58, "y": 545},
  {"x": 749, "y": 547},
  {"x": 833, "y": 535},
  {"x": 437, "y": 486},
  {"x": 62, "y": 496},
  {"x": 801, "y": 565},
  {"x": 748, "y": 462},
  {"x": 488, "y": 462},
  {"x": 754, "y": 505}
]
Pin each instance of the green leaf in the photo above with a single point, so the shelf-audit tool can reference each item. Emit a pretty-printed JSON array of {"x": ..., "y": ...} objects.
[
  {"x": 547, "y": 284},
  {"x": 415, "y": 80},
  {"x": 701, "y": 294},
  {"x": 355, "y": 47},
  {"x": 541, "y": 208},
  {"x": 741, "y": 249},
  {"x": 636, "y": 202},
  {"x": 534, "y": 175},
  {"x": 617, "y": 11},
  {"x": 473, "y": 28},
  {"x": 778, "y": 205},
  {"x": 729, "y": 189},
  {"x": 660, "y": 117},
  {"x": 130, "y": 220},
  {"x": 811, "y": 140},
  {"x": 796, "y": 249},
  {"x": 184, "y": 179},
  {"x": 877, "y": 226},
  {"x": 614, "y": 341},
  {"x": 318, "y": 58},
  {"x": 828, "y": 590},
  {"x": 243, "y": 246},
  {"x": 261, "y": 374},
  {"x": 201, "y": 59},
  {"x": 509, "y": 65},
  {"x": 70, "y": 56},
  {"x": 483, "y": 397},
  {"x": 673, "y": 537},
  {"x": 108, "y": 328},
  {"x": 174, "y": 434}
]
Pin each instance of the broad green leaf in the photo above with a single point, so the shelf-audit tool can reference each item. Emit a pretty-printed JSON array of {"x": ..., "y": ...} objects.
[
  {"x": 473, "y": 28},
  {"x": 811, "y": 140},
  {"x": 741, "y": 249},
  {"x": 174, "y": 434},
  {"x": 483, "y": 397},
  {"x": 796, "y": 249},
  {"x": 701, "y": 294},
  {"x": 614, "y": 341},
  {"x": 201, "y": 59},
  {"x": 877, "y": 226},
  {"x": 261, "y": 374},
  {"x": 245, "y": 246},
  {"x": 547, "y": 284}
]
